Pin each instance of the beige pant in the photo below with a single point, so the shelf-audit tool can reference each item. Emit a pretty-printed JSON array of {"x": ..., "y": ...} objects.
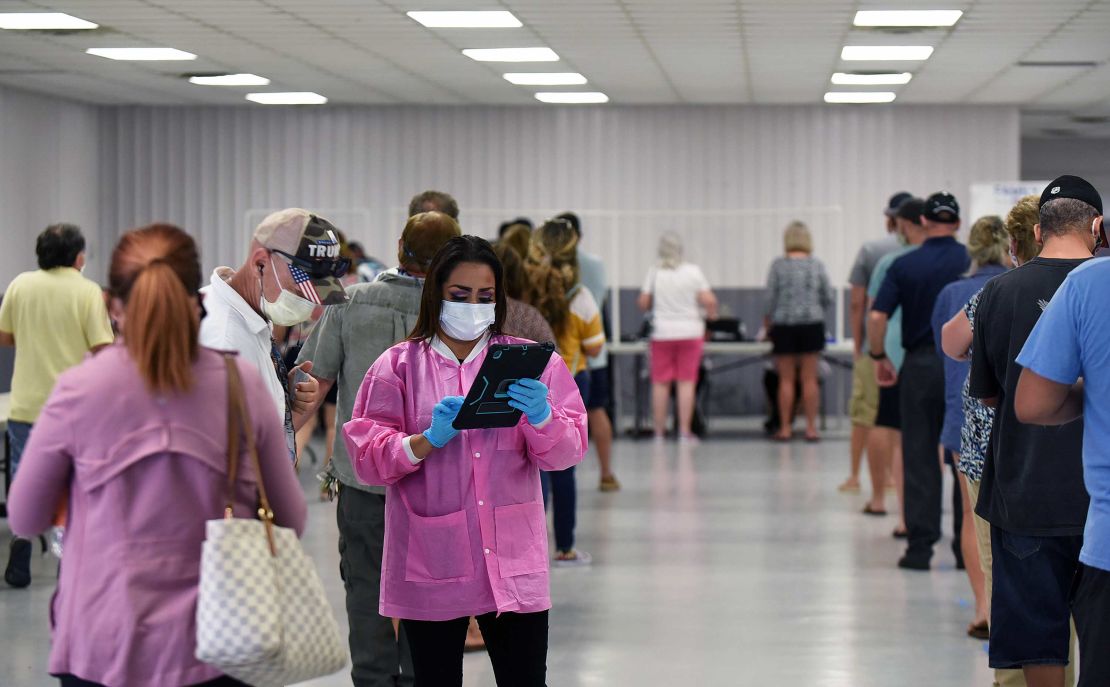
[{"x": 1004, "y": 678}]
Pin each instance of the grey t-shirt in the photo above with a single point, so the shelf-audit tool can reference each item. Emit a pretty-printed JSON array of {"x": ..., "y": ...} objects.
[
  {"x": 869, "y": 255},
  {"x": 349, "y": 339}
]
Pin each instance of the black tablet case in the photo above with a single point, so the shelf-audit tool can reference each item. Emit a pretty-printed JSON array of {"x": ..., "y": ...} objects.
[{"x": 487, "y": 403}]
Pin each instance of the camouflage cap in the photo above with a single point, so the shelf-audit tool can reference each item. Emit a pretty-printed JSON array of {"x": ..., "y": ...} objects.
[{"x": 310, "y": 245}]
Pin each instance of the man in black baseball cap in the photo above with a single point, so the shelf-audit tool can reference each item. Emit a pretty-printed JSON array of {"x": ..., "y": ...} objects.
[
  {"x": 913, "y": 283},
  {"x": 942, "y": 208},
  {"x": 1032, "y": 492},
  {"x": 896, "y": 202},
  {"x": 864, "y": 403}
]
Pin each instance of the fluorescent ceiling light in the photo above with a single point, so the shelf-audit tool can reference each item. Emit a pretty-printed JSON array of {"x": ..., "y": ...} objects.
[
  {"x": 512, "y": 55},
  {"x": 572, "y": 98},
  {"x": 230, "y": 80},
  {"x": 546, "y": 79},
  {"x": 842, "y": 79},
  {"x": 907, "y": 17},
  {"x": 498, "y": 19},
  {"x": 43, "y": 20},
  {"x": 297, "y": 98},
  {"x": 863, "y": 97},
  {"x": 886, "y": 52},
  {"x": 142, "y": 54}
]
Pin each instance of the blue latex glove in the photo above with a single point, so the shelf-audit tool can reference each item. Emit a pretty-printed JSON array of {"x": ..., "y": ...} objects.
[
  {"x": 443, "y": 415},
  {"x": 530, "y": 396}
]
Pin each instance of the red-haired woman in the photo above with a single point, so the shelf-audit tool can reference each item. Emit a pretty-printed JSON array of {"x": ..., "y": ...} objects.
[{"x": 136, "y": 437}]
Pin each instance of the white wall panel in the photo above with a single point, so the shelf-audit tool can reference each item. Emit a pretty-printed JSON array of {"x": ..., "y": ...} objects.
[
  {"x": 631, "y": 170},
  {"x": 48, "y": 174},
  {"x": 1048, "y": 158}
]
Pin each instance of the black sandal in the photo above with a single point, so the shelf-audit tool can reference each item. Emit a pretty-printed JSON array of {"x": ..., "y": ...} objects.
[{"x": 868, "y": 510}]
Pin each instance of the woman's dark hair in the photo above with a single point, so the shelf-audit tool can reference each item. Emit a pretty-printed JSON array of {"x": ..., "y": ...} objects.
[
  {"x": 455, "y": 252},
  {"x": 59, "y": 245},
  {"x": 155, "y": 271}
]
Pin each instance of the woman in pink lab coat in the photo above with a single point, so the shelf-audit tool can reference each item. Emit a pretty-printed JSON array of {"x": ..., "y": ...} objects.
[{"x": 466, "y": 532}]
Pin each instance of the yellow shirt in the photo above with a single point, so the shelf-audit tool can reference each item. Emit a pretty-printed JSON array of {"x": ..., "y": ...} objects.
[
  {"x": 56, "y": 316},
  {"x": 582, "y": 329}
]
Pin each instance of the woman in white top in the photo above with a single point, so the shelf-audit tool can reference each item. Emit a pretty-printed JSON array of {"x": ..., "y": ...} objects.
[{"x": 677, "y": 294}]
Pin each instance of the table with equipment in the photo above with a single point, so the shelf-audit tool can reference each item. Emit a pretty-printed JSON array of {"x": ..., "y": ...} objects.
[{"x": 745, "y": 353}]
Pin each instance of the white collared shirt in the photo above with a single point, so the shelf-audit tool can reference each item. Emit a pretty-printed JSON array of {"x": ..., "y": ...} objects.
[{"x": 233, "y": 325}]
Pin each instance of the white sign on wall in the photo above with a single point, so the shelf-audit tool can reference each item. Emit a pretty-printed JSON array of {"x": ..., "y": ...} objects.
[{"x": 997, "y": 197}]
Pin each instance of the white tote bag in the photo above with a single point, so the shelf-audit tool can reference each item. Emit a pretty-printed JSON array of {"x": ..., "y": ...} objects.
[{"x": 262, "y": 616}]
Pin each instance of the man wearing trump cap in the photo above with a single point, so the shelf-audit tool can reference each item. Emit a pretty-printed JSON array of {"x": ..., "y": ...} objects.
[{"x": 293, "y": 267}]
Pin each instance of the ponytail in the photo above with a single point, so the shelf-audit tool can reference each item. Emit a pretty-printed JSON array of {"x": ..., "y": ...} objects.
[
  {"x": 165, "y": 344},
  {"x": 156, "y": 273}
]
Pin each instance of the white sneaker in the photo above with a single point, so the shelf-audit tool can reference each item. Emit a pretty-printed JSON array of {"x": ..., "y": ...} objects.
[
  {"x": 579, "y": 559},
  {"x": 689, "y": 440}
]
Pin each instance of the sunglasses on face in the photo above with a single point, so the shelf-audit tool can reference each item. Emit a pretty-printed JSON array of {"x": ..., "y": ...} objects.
[{"x": 318, "y": 269}]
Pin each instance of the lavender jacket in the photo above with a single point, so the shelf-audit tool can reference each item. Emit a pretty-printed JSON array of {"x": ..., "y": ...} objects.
[{"x": 142, "y": 473}]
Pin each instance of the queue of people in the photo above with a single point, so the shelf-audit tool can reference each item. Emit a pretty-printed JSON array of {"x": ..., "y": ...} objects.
[
  {"x": 443, "y": 541},
  {"x": 990, "y": 387}
]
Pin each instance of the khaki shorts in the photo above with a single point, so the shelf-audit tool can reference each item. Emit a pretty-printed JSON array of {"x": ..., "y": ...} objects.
[{"x": 864, "y": 404}]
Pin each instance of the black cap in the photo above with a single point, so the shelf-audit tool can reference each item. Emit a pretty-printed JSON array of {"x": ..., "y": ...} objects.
[
  {"x": 912, "y": 210},
  {"x": 895, "y": 202},
  {"x": 942, "y": 207},
  {"x": 1074, "y": 187}
]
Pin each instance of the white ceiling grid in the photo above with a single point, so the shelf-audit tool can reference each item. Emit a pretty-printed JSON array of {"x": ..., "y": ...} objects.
[{"x": 636, "y": 51}]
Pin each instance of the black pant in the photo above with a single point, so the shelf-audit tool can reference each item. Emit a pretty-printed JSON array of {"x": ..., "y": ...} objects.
[
  {"x": 225, "y": 681},
  {"x": 922, "y": 390},
  {"x": 517, "y": 645},
  {"x": 1090, "y": 604},
  {"x": 378, "y": 658}
]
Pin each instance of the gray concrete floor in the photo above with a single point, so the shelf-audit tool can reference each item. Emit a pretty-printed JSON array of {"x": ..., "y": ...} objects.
[{"x": 732, "y": 563}]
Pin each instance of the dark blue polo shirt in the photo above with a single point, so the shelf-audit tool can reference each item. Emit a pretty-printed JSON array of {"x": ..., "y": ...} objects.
[{"x": 915, "y": 280}]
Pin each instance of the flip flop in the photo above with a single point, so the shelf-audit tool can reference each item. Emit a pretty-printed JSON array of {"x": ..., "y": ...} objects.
[
  {"x": 900, "y": 534},
  {"x": 868, "y": 510}
]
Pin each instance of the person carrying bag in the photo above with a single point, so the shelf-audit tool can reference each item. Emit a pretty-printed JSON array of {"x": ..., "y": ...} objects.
[
  {"x": 262, "y": 615},
  {"x": 134, "y": 439}
]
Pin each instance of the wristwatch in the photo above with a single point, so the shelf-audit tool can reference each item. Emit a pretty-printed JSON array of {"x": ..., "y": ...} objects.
[{"x": 878, "y": 356}]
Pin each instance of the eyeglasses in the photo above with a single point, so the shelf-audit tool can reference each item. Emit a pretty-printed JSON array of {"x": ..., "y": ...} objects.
[{"x": 318, "y": 269}]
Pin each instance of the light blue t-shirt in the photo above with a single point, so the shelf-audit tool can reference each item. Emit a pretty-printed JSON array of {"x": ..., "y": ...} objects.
[
  {"x": 1071, "y": 341},
  {"x": 591, "y": 272},
  {"x": 893, "y": 341}
]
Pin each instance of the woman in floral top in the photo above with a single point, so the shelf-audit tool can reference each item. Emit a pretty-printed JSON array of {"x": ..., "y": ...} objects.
[{"x": 978, "y": 419}]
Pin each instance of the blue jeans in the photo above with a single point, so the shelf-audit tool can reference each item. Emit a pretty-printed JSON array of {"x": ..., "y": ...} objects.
[
  {"x": 18, "y": 434},
  {"x": 563, "y": 488}
]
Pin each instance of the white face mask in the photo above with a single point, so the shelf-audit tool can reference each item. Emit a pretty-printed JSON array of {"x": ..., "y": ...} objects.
[
  {"x": 288, "y": 309},
  {"x": 466, "y": 321}
]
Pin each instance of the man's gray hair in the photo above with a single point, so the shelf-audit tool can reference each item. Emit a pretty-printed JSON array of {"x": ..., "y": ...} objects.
[{"x": 1063, "y": 215}]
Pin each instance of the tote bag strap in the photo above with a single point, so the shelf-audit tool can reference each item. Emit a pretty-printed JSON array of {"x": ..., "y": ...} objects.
[{"x": 239, "y": 423}]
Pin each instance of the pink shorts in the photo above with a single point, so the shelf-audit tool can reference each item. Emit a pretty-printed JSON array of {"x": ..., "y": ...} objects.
[{"x": 676, "y": 361}]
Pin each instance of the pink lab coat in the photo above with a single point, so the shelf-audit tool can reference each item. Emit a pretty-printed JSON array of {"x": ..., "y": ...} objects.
[{"x": 465, "y": 530}]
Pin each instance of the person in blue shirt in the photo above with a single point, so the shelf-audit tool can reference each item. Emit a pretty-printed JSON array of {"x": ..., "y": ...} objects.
[
  {"x": 913, "y": 283},
  {"x": 1066, "y": 377}
]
